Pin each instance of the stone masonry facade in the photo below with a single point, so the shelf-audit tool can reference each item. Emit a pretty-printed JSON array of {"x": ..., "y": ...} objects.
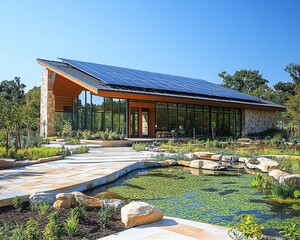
[
  {"x": 47, "y": 104},
  {"x": 255, "y": 121}
]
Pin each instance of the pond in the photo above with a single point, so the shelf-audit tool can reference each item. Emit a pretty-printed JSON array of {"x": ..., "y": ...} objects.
[{"x": 205, "y": 196}]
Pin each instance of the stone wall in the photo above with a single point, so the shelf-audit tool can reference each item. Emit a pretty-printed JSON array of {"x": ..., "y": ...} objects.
[
  {"x": 47, "y": 104},
  {"x": 255, "y": 121}
]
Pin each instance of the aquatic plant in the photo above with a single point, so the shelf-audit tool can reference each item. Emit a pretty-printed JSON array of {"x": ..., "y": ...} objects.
[
  {"x": 291, "y": 231},
  {"x": 283, "y": 190}
]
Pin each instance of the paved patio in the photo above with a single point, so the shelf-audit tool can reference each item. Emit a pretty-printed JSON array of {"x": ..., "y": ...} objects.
[
  {"x": 173, "y": 229},
  {"x": 75, "y": 173}
]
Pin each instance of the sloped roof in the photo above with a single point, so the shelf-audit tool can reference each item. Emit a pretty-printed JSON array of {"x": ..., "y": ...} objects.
[{"x": 99, "y": 77}]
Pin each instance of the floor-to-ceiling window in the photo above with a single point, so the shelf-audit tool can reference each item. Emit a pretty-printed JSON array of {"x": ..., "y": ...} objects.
[
  {"x": 96, "y": 113},
  {"x": 203, "y": 121}
]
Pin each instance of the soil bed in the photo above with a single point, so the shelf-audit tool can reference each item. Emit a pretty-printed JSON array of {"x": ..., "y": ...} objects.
[{"x": 88, "y": 228}]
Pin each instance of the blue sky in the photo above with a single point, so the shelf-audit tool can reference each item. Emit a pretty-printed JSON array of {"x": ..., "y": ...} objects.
[{"x": 188, "y": 38}]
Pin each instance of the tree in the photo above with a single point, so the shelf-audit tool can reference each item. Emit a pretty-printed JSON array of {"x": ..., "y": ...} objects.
[
  {"x": 293, "y": 107},
  {"x": 247, "y": 81},
  {"x": 294, "y": 70}
]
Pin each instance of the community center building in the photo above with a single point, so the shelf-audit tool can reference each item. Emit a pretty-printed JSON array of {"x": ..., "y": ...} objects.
[{"x": 140, "y": 104}]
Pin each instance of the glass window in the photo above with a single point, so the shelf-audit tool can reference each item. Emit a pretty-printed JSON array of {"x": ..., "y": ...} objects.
[
  {"x": 98, "y": 112},
  {"x": 122, "y": 115},
  {"x": 161, "y": 115},
  {"x": 116, "y": 115},
  {"x": 190, "y": 120},
  {"x": 181, "y": 120},
  {"x": 172, "y": 116},
  {"x": 199, "y": 120},
  {"x": 206, "y": 122},
  {"x": 108, "y": 114}
]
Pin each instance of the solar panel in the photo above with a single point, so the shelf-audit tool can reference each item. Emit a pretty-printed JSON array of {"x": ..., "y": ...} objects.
[{"x": 149, "y": 80}]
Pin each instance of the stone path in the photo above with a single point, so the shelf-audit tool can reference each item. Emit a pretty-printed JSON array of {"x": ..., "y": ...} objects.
[
  {"x": 173, "y": 229},
  {"x": 75, "y": 173}
]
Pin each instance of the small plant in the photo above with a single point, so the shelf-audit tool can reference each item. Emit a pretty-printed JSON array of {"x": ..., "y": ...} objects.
[
  {"x": 17, "y": 203},
  {"x": 246, "y": 228},
  {"x": 43, "y": 208},
  {"x": 297, "y": 194},
  {"x": 72, "y": 141},
  {"x": 86, "y": 134},
  {"x": 53, "y": 230},
  {"x": 284, "y": 190},
  {"x": 17, "y": 233},
  {"x": 32, "y": 230},
  {"x": 291, "y": 231},
  {"x": 65, "y": 152},
  {"x": 105, "y": 214},
  {"x": 71, "y": 225},
  {"x": 79, "y": 211},
  {"x": 67, "y": 129},
  {"x": 82, "y": 149},
  {"x": 257, "y": 181},
  {"x": 139, "y": 147},
  {"x": 12, "y": 153}
]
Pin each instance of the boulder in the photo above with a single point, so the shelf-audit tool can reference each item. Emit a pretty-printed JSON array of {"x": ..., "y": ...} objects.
[
  {"x": 227, "y": 158},
  {"x": 196, "y": 163},
  {"x": 116, "y": 204},
  {"x": 65, "y": 200},
  {"x": 7, "y": 163},
  {"x": 170, "y": 162},
  {"x": 189, "y": 155},
  {"x": 295, "y": 178},
  {"x": 217, "y": 157},
  {"x": 266, "y": 164},
  {"x": 211, "y": 165},
  {"x": 244, "y": 159},
  {"x": 89, "y": 202},
  {"x": 244, "y": 140},
  {"x": 277, "y": 174},
  {"x": 203, "y": 154},
  {"x": 40, "y": 197},
  {"x": 140, "y": 213},
  {"x": 184, "y": 163}
]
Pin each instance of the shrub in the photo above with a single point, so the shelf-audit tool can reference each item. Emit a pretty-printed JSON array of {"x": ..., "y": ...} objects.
[
  {"x": 246, "y": 228},
  {"x": 5, "y": 231},
  {"x": 17, "y": 233},
  {"x": 32, "y": 230},
  {"x": 64, "y": 153},
  {"x": 283, "y": 191},
  {"x": 67, "y": 129},
  {"x": 2, "y": 152},
  {"x": 82, "y": 149},
  {"x": 72, "y": 141},
  {"x": 86, "y": 134},
  {"x": 12, "y": 153},
  {"x": 105, "y": 214},
  {"x": 17, "y": 203},
  {"x": 139, "y": 147},
  {"x": 71, "y": 225},
  {"x": 53, "y": 230}
]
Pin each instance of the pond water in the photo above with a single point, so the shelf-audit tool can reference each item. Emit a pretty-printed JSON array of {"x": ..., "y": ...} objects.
[{"x": 202, "y": 195}]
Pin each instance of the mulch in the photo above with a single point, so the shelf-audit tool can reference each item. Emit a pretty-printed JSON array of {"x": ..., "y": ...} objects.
[{"x": 88, "y": 228}]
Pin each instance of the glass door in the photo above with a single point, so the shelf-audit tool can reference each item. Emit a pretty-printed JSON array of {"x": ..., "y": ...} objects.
[
  {"x": 145, "y": 122},
  {"x": 134, "y": 122}
]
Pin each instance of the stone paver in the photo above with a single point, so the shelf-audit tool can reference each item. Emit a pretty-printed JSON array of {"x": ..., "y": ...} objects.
[
  {"x": 75, "y": 173},
  {"x": 173, "y": 228}
]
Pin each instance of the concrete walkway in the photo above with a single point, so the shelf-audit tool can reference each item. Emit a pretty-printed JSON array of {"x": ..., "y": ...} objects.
[
  {"x": 75, "y": 173},
  {"x": 173, "y": 229}
]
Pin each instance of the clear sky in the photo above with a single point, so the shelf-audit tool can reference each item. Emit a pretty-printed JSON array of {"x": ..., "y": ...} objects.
[{"x": 188, "y": 38}]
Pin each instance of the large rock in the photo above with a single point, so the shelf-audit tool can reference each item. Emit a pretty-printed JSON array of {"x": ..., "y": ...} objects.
[
  {"x": 89, "y": 202},
  {"x": 116, "y": 204},
  {"x": 266, "y": 164},
  {"x": 244, "y": 159},
  {"x": 295, "y": 178},
  {"x": 196, "y": 164},
  {"x": 140, "y": 213},
  {"x": 7, "y": 163},
  {"x": 227, "y": 158},
  {"x": 170, "y": 162},
  {"x": 184, "y": 163},
  {"x": 41, "y": 197},
  {"x": 216, "y": 157},
  {"x": 203, "y": 154},
  {"x": 211, "y": 165},
  {"x": 65, "y": 200},
  {"x": 277, "y": 174}
]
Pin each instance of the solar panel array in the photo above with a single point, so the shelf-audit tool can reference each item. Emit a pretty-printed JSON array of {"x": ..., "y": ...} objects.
[{"x": 149, "y": 80}]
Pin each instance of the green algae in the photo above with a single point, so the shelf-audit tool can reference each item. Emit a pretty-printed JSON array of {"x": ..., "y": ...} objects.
[{"x": 206, "y": 197}]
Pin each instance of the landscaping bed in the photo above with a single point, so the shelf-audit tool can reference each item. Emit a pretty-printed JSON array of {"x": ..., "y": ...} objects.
[{"x": 15, "y": 222}]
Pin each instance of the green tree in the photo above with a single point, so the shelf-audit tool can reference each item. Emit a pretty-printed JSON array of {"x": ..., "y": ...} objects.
[
  {"x": 293, "y": 107},
  {"x": 294, "y": 70},
  {"x": 246, "y": 81}
]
